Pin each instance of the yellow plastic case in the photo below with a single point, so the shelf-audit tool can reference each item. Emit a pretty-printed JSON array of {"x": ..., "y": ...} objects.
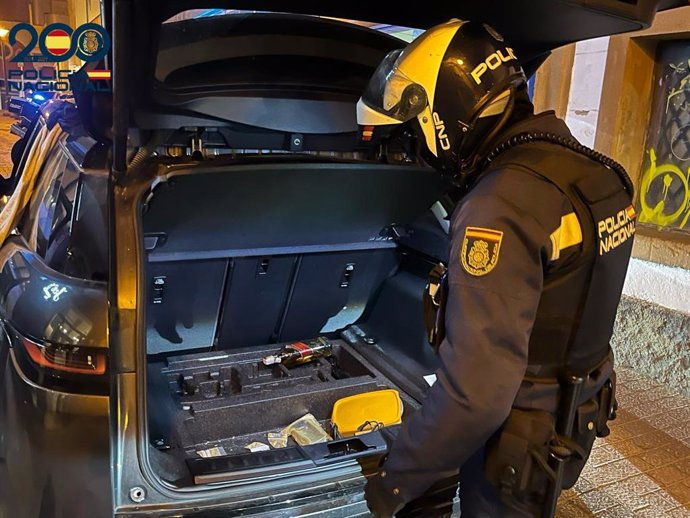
[{"x": 379, "y": 408}]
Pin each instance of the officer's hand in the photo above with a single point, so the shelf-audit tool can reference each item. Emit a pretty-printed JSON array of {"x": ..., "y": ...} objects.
[{"x": 382, "y": 501}]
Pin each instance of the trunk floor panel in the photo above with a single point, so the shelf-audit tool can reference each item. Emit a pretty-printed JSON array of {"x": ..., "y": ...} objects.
[{"x": 229, "y": 399}]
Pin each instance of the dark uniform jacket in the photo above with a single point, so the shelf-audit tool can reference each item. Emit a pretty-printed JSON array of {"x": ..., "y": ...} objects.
[{"x": 507, "y": 234}]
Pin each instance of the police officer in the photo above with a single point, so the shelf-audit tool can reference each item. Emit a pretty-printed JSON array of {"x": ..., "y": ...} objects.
[{"x": 540, "y": 241}]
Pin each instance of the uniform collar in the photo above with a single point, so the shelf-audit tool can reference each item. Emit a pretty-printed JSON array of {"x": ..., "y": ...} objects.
[
  {"x": 545, "y": 122},
  {"x": 522, "y": 122}
]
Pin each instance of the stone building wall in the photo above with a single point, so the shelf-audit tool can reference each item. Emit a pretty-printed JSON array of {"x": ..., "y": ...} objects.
[
  {"x": 655, "y": 341},
  {"x": 652, "y": 330}
]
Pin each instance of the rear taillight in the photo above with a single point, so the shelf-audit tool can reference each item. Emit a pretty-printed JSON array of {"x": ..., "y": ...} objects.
[{"x": 70, "y": 359}]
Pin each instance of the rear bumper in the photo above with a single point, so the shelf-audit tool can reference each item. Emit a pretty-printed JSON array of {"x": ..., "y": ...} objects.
[{"x": 342, "y": 497}]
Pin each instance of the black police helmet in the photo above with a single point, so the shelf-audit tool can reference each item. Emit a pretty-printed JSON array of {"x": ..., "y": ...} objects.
[{"x": 455, "y": 84}]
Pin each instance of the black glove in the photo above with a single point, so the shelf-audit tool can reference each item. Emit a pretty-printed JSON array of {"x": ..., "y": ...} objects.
[{"x": 383, "y": 502}]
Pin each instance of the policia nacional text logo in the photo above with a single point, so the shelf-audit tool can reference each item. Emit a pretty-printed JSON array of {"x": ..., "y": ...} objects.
[
  {"x": 480, "y": 250},
  {"x": 616, "y": 230}
]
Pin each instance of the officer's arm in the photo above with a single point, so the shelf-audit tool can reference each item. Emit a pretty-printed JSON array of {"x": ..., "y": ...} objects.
[{"x": 498, "y": 255}]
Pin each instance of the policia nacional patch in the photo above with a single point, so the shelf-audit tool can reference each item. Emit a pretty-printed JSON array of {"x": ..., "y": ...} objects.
[{"x": 480, "y": 250}]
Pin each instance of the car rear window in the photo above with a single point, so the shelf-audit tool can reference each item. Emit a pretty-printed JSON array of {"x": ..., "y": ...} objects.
[{"x": 55, "y": 213}]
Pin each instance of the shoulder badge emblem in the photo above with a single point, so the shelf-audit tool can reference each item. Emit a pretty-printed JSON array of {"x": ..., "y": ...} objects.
[{"x": 480, "y": 250}]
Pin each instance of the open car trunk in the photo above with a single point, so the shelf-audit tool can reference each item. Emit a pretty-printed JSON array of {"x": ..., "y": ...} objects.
[
  {"x": 218, "y": 403},
  {"x": 243, "y": 258},
  {"x": 238, "y": 258}
]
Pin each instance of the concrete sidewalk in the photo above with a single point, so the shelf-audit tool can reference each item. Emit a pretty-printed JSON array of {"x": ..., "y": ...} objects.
[{"x": 643, "y": 468}]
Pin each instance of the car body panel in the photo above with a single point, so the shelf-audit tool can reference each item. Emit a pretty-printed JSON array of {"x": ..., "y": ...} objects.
[
  {"x": 54, "y": 456},
  {"x": 54, "y": 450},
  {"x": 47, "y": 306}
]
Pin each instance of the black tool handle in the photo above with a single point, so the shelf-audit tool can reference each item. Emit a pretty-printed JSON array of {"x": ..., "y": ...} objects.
[{"x": 572, "y": 388}]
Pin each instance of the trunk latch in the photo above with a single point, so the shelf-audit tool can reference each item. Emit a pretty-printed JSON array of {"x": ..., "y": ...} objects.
[{"x": 347, "y": 275}]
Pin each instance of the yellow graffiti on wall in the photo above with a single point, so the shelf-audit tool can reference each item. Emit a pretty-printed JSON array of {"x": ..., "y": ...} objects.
[
  {"x": 681, "y": 87},
  {"x": 657, "y": 214}
]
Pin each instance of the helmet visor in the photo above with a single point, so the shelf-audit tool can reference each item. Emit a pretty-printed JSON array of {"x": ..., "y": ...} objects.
[{"x": 394, "y": 94}]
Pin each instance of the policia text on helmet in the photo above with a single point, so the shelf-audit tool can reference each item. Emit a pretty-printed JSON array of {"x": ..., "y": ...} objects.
[
  {"x": 522, "y": 316},
  {"x": 456, "y": 85}
]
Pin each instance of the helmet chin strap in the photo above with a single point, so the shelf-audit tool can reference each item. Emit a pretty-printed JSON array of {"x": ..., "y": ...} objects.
[{"x": 467, "y": 170}]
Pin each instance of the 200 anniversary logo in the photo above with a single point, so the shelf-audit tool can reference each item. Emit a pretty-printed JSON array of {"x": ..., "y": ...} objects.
[{"x": 57, "y": 43}]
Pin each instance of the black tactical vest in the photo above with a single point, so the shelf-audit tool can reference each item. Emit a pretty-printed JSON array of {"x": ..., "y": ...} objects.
[{"x": 579, "y": 301}]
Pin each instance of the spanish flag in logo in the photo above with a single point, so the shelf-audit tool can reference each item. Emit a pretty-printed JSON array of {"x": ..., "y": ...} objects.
[
  {"x": 630, "y": 212},
  {"x": 95, "y": 75},
  {"x": 58, "y": 42}
]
